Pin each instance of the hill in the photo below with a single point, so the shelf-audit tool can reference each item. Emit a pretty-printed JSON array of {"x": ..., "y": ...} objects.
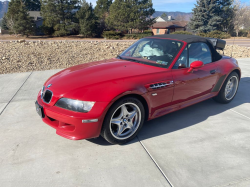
[
  {"x": 176, "y": 15},
  {"x": 3, "y": 7}
]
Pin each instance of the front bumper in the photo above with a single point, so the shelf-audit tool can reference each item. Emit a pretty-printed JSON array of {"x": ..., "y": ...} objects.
[{"x": 68, "y": 124}]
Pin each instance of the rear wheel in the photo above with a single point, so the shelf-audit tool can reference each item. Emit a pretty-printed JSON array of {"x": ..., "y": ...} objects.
[
  {"x": 229, "y": 89},
  {"x": 123, "y": 121}
]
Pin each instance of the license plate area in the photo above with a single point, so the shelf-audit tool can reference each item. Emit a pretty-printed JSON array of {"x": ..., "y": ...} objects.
[{"x": 39, "y": 110}]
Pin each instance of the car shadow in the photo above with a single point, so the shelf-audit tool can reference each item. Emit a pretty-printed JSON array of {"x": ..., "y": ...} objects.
[{"x": 189, "y": 116}]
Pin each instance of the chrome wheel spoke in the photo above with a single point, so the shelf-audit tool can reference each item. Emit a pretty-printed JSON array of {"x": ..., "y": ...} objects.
[
  {"x": 120, "y": 129},
  {"x": 124, "y": 111},
  {"x": 132, "y": 114},
  {"x": 116, "y": 121}
]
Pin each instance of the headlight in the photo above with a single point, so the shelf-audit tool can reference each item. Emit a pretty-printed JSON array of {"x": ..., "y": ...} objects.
[{"x": 75, "y": 105}]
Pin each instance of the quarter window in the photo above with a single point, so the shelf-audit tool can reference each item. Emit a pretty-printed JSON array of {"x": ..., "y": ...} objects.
[{"x": 199, "y": 51}]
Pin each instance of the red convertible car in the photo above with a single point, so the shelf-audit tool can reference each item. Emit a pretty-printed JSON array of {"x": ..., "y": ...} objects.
[{"x": 153, "y": 77}]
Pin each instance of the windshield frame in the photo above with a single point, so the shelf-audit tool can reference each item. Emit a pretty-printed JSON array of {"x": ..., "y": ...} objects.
[{"x": 150, "y": 62}]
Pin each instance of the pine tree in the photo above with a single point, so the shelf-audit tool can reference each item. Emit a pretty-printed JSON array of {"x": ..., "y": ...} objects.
[
  {"x": 4, "y": 24},
  {"x": 130, "y": 14},
  {"x": 18, "y": 20},
  {"x": 226, "y": 12},
  {"x": 164, "y": 15},
  {"x": 59, "y": 15},
  {"x": 102, "y": 8},
  {"x": 205, "y": 16},
  {"x": 24, "y": 24},
  {"x": 102, "y": 12},
  {"x": 87, "y": 20},
  {"x": 32, "y": 5}
]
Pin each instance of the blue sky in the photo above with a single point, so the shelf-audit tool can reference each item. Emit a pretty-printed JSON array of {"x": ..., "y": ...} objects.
[
  {"x": 178, "y": 5},
  {"x": 172, "y": 5}
]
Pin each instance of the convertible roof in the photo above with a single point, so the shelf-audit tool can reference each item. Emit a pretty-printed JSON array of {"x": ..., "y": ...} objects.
[
  {"x": 192, "y": 39},
  {"x": 182, "y": 37}
]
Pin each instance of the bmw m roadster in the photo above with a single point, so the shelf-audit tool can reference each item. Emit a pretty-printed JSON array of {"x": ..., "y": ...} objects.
[{"x": 153, "y": 77}]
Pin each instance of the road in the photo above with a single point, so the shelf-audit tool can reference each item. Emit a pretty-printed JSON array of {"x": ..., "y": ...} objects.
[
  {"x": 206, "y": 144},
  {"x": 240, "y": 42}
]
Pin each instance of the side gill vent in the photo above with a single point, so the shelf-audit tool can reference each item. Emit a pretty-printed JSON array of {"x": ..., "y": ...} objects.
[{"x": 158, "y": 85}]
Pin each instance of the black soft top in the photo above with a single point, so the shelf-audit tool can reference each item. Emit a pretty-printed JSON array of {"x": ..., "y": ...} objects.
[{"x": 192, "y": 39}]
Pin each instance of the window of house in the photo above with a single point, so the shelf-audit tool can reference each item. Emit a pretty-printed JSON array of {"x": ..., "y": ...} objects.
[{"x": 158, "y": 31}]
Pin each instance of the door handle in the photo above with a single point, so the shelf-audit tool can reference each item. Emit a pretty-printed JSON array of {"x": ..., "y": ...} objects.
[{"x": 213, "y": 71}]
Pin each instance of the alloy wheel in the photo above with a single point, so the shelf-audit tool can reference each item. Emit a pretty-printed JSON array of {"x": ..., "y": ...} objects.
[
  {"x": 125, "y": 121},
  {"x": 231, "y": 87}
]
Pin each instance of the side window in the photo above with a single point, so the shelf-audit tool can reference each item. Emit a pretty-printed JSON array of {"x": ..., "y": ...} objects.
[
  {"x": 199, "y": 51},
  {"x": 182, "y": 61}
]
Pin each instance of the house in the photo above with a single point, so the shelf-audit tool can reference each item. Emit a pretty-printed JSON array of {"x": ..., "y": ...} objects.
[
  {"x": 163, "y": 19},
  {"x": 167, "y": 27},
  {"x": 36, "y": 16},
  {"x": 3, "y": 31}
]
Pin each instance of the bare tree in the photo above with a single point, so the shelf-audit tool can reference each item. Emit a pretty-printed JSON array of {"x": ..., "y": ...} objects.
[
  {"x": 181, "y": 18},
  {"x": 241, "y": 16},
  {"x": 10, "y": 24}
]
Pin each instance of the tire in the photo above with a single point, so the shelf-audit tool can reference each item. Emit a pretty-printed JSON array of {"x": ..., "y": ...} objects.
[
  {"x": 123, "y": 120},
  {"x": 231, "y": 83}
]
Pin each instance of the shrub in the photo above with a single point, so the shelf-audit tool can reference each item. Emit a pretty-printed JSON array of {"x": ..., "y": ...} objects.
[
  {"x": 182, "y": 32},
  {"x": 61, "y": 33},
  {"x": 202, "y": 34},
  {"x": 215, "y": 34},
  {"x": 248, "y": 35},
  {"x": 243, "y": 32},
  {"x": 148, "y": 32},
  {"x": 138, "y": 35},
  {"x": 112, "y": 35}
]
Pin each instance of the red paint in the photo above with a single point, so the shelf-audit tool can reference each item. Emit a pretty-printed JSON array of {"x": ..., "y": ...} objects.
[{"x": 106, "y": 81}]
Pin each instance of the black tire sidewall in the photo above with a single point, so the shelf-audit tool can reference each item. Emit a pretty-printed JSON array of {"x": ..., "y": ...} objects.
[
  {"x": 221, "y": 98},
  {"x": 106, "y": 134}
]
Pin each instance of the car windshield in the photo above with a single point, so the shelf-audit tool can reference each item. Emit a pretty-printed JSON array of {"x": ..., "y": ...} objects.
[{"x": 153, "y": 51}]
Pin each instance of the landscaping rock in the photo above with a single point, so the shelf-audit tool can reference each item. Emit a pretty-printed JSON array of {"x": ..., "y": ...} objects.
[{"x": 45, "y": 55}]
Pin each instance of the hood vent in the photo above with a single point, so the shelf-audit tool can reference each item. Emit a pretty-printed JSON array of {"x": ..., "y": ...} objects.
[{"x": 157, "y": 85}]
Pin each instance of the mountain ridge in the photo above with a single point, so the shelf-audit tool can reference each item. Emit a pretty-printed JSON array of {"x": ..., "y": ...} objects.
[{"x": 3, "y": 7}]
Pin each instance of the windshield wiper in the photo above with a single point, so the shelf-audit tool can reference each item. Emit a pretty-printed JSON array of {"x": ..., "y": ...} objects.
[
  {"x": 129, "y": 59},
  {"x": 119, "y": 57}
]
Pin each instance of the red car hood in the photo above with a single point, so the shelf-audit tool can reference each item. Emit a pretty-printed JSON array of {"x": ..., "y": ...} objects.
[{"x": 93, "y": 73}]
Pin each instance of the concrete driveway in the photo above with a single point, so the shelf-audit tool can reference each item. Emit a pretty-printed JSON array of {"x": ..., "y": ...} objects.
[{"x": 203, "y": 145}]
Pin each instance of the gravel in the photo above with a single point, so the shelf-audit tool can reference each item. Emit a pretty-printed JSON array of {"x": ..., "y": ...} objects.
[{"x": 21, "y": 56}]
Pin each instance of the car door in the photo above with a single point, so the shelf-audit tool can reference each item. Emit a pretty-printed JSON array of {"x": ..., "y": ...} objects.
[{"x": 200, "y": 81}]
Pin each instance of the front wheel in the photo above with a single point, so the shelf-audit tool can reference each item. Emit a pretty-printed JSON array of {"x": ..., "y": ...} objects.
[
  {"x": 229, "y": 89},
  {"x": 123, "y": 121}
]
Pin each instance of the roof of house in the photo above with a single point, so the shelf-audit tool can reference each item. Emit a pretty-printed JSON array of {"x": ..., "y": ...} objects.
[
  {"x": 170, "y": 24},
  {"x": 35, "y": 14}
]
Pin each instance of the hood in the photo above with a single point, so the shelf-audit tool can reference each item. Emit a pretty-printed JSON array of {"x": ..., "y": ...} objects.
[{"x": 96, "y": 73}]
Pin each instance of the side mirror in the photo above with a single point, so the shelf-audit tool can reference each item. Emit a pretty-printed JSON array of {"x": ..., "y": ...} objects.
[{"x": 195, "y": 65}]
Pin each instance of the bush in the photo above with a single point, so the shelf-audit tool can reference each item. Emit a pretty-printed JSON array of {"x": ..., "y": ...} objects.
[
  {"x": 215, "y": 34},
  {"x": 182, "y": 32},
  {"x": 202, "y": 34},
  {"x": 112, "y": 35},
  {"x": 243, "y": 32},
  {"x": 248, "y": 35},
  {"x": 138, "y": 35},
  {"x": 148, "y": 32}
]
